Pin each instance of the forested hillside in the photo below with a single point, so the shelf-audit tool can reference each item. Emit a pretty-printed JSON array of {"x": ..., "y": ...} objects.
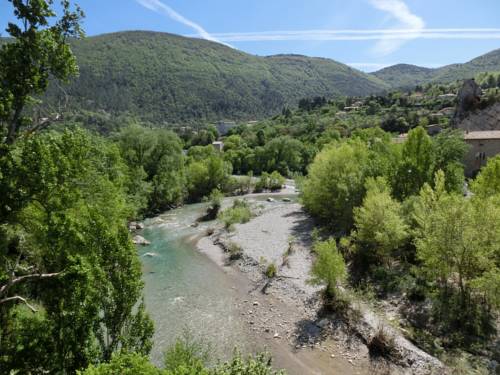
[
  {"x": 406, "y": 76},
  {"x": 167, "y": 78}
]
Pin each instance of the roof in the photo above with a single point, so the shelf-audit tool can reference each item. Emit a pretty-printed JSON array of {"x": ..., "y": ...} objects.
[{"x": 486, "y": 134}]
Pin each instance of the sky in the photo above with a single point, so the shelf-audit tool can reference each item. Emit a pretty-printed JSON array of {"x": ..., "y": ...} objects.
[{"x": 366, "y": 34}]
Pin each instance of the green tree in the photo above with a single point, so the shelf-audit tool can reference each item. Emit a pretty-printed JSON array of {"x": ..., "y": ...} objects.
[
  {"x": 417, "y": 165},
  {"x": 335, "y": 184},
  {"x": 66, "y": 255},
  {"x": 380, "y": 228},
  {"x": 37, "y": 52},
  {"x": 457, "y": 242},
  {"x": 487, "y": 183}
]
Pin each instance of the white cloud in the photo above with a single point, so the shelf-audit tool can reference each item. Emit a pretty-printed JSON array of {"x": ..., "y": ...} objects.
[
  {"x": 397, "y": 35},
  {"x": 398, "y": 10},
  {"x": 161, "y": 8}
]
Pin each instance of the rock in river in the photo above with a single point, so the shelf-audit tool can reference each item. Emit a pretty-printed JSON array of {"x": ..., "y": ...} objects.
[{"x": 139, "y": 240}]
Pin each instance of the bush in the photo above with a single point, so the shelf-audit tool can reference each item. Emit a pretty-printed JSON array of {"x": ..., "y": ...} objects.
[
  {"x": 260, "y": 364},
  {"x": 240, "y": 213},
  {"x": 271, "y": 271},
  {"x": 214, "y": 206},
  {"x": 273, "y": 182},
  {"x": 382, "y": 344},
  {"x": 187, "y": 353},
  {"x": 329, "y": 267},
  {"x": 124, "y": 364},
  {"x": 234, "y": 250}
]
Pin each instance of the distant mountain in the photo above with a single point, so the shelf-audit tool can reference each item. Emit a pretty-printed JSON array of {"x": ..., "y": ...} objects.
[
  {"x": 404, "y": 76},
  {"x": 168, "y": 78}
]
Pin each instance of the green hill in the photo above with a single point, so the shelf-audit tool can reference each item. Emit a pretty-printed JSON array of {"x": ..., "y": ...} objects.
[
  {"x": 168, "y": 78},
  {"x": 404, "y": 76}
]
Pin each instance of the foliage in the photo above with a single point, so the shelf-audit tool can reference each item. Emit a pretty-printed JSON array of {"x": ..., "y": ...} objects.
[
  {"x": 335, "y": 184},
  {"x": 258, "y": 365},
  {"x": 380, "y": 228},
  {"x": 272, "y": 182},
  {"x": 206, "y": 175},
  {"x": 329, "y": 267},
  {"x": 271, "y": 271},
  {"x": 239, "y": 213},
  {"x": 65, "y": 250},
  {"x": 187, "y": 353},
  {"x": 186, "y": 362},
  {"x": 234, "y": 250},
  {"x": 156, "y": 167},
  {"x": 457, "y": 243},
  {"x": 124, "y": 364},
  {"x": 169, "y": 79},
  {"x": 403, "y": 75},
  {"x": 36, "y": 52},
  {"x": 487, "y": 183}
]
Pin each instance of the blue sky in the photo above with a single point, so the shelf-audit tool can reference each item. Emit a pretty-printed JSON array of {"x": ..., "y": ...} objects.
[{"x": 366, "y": 34}]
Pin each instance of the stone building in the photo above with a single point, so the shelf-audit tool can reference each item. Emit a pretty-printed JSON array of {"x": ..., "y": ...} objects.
[{"x": 483, "y": 145}]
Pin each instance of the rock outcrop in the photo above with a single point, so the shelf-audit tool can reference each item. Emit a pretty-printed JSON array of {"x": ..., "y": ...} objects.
[
  {"x": 472, "y": 114},
  {"x": 486, "y": 119},
  {"x": 468, "y": 100}
]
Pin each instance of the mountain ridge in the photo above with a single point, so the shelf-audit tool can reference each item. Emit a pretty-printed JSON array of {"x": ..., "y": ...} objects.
[
  {"x": 169, "y": 78},
  {"x": 408, "y": 75}
]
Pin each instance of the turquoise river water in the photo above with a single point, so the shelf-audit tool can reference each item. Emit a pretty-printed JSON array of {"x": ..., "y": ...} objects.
[{"x": 186, "y": 290}]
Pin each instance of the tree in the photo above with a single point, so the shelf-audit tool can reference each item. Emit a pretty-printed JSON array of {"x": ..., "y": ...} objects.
[
  {"x": 329, "y": 267},
  {"x": 39, "y": 51},
  {"x": 487, "y": 183},
  {"x": 417, "y": 165},
  {"x": 156, "y": 167},
  {"x": 66, "y": 255},
  {"x": 335, "y": 184},
  {"x": 457, "y": 242},
  {"x": 450, "y": 150},
  {"x": 380, "y": 228}
]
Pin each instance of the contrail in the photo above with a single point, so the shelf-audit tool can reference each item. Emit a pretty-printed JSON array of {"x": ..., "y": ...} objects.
[
  {"x": 400, "y": 11},
  {"x": 360, "y": 35},
  {"x": 161, "y": 8}
]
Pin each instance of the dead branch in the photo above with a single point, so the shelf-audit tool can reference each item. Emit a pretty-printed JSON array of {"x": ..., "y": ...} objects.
[{"x": 19, "y": 298}]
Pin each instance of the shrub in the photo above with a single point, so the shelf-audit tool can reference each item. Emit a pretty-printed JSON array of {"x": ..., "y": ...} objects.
[
  {"x": 329, "y": 267},
  {"x": 271, "y": 271},
  {"x": 382, "y": 344},
  {"x": 234, "y": 250},
  {"x": 273, "y": 181},
  {"x": 240, "y": 213},
  {"x": 187, "y": 353},
  {"x": 213, "y": 208}
]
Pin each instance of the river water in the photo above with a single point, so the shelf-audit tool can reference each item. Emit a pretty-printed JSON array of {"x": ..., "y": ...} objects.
[{"x": 184, "y": 290}]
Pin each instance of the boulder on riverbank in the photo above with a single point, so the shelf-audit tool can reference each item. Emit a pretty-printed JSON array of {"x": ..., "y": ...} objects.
[
  {"x": 139, "y": 240},
  {"x": 133, "y": 226}
]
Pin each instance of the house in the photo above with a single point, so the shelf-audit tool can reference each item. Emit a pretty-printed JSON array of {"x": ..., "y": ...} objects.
[
  {"x": 219, "y": 146},
  {"x": 483, "y": 145}
]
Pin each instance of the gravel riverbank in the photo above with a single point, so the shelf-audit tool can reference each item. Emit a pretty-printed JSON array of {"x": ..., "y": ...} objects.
[{"x": 283, "y": 312}]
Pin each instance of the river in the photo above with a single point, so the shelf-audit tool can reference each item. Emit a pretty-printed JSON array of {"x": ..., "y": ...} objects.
[{"x": 184, "y": 290}]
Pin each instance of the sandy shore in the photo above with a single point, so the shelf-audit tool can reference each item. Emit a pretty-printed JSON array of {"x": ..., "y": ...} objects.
[{"x": 283, "y": 312}]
